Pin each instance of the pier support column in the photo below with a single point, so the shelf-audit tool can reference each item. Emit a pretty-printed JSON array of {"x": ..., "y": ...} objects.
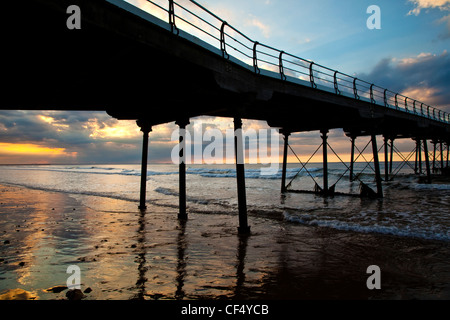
[
  {"x": 417, "y": 155},
  {"x": 352, "y": 157},
  {"x": 448, "y": 150},
  {"x": 285, "y": 152},
  {"x": 434, "y": 156},
  {"x": 442, "y": 158},
  {"x": 146, "y": 128},
  {"x": 386, "y": 159},
  {"x": 377, "y": 166},
  {"x": 240, "y": 177},
  {"x": 392, "y": 156},
  {"x": 418, "y": 166},
  {"x": 182, "y": 215},
  {"x": 420, "y": 157},
  {"x": 427, "y": 160},
  {"x": 324, "y": 133}
]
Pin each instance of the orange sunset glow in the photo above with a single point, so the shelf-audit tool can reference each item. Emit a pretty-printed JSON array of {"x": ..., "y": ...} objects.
[{"x": 32, "y": 149}]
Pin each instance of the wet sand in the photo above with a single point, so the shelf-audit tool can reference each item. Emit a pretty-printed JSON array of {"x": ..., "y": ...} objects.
[{"x": 125, "y": 254}]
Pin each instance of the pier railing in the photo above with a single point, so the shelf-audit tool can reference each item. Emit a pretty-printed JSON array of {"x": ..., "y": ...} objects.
[{"x": 193, "y": 18}]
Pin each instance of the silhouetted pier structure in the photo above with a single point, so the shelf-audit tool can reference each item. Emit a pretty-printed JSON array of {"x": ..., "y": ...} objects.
[{"x": 136, "y": 66}]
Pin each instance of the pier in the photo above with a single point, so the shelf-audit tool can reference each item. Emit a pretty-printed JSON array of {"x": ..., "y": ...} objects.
[{"x": 136, "y": 66}]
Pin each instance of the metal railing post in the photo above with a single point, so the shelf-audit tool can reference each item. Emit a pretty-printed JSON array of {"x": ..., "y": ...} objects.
[
  {"x": 336, "y": 86},
  {"x": 372, "y": 100},
  {"x": 355, "y": 89},
  {"x": 255, "y": 58},
  {"x": 172, "y": 17},
  {"x": 223, "y": 45},
  {"x": 280, "y": 65},
  {"x": 311, "y": 76}
]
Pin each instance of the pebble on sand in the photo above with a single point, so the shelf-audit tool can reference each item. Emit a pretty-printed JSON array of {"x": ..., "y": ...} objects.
[
  {"x": 75, "y": 294},
  {"x": 88, "y": 290},
  {"x": 56, "y": 289}
]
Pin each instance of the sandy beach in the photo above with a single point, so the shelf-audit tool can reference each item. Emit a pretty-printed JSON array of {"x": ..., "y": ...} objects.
[{"x": 125, "y": 254}]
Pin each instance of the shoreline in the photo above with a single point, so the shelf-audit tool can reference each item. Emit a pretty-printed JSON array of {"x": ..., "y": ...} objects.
[{"x": 124, "y": 255}]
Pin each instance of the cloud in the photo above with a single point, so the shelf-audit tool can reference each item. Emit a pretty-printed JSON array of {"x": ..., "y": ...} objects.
[
  {"x": 66, "y": 136},
  {"x": 63, "y": 127},
  {"x": 151, "y": 8},
  {"x": 116, "y": 130},
  {"x": 443, "y": 5},
  {"x": 262, "y": 27},
  {"x": 425, "y": 77},
  {"x": 445, "y": 20}
]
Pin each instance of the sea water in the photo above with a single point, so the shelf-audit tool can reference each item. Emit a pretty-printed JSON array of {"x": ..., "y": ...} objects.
[{"x": 409, "y": 208}]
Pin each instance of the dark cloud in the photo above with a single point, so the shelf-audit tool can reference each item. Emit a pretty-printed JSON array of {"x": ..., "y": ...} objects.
[
  {"x": 27, "y": 127},
  {"x": 68, "y": 130},
  {"x": 427, "y": 72},
  {"x": 108, "y": 152}
]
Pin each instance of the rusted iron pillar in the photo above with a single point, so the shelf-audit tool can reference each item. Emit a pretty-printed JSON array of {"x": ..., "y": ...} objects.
[
  {"x": 146, "y": 128},
  {"x": 377, "y": 166},
  {"x": 240, "y": 177},
  {"x": 285, "y": 152},
  {"x": 182, "y": 214}
]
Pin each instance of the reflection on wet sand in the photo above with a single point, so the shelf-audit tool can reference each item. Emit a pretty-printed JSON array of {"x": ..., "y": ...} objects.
[
  {"x": 128, "y": 254},
  {"x": 240, "y": 266},
  {"x": 141, "y": 260},
  {"x": 142, "y": 252},
  {"x": 38, "y": 231},
  {"x": 197, "y": 278},
  {"x": 181, "y": 260}
]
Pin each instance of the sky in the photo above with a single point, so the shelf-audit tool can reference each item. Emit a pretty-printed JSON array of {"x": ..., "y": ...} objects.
[{"x": 409, "y": 54}]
